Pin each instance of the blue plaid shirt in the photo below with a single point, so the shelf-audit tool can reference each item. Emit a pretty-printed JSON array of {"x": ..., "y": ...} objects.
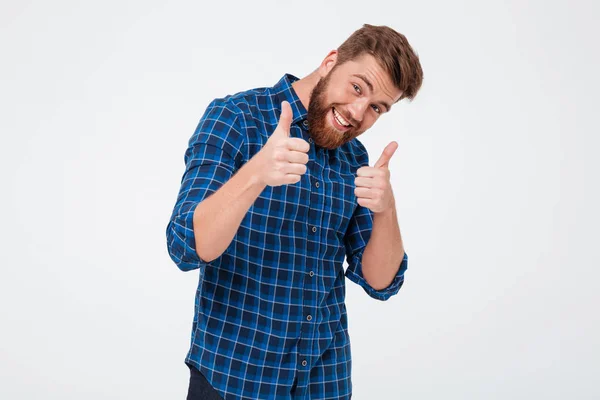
[{"x": 270, "y": 320}]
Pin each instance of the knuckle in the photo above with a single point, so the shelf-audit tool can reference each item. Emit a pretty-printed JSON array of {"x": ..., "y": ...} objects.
[{"x": 280, "y": 155}]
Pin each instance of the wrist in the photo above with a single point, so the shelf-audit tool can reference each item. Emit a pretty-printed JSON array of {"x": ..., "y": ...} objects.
[
  {"x": 256, "y": 176},
  {"x": 390, "y": 211}
]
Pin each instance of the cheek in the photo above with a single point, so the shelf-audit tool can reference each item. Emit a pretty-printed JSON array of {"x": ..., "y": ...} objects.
[
  {"x": 367, "y": 122},
  {"x": 338, "y": 96}
]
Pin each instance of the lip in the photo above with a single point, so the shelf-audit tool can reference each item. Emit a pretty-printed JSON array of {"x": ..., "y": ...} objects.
[{"x": 339, "y": 127}]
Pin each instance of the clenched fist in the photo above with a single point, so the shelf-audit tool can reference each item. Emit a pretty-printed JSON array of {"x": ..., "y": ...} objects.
[{"x": 283, "y": 159}]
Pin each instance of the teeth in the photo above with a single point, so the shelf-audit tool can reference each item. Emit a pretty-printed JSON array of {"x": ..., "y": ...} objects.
[{"x": 340, "y": 119}]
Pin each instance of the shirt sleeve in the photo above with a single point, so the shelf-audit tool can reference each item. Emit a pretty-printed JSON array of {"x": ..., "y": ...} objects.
[
  {"x": 214, "y": 153},
  {"x": 355, "y": 241}
]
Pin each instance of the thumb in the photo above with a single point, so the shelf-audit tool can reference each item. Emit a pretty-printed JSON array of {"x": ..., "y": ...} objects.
[
  {"x": 387, "y": 154},
  {"x": 285, "y": 119}
]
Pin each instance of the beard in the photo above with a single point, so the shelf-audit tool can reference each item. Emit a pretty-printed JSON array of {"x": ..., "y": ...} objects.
[{"x": 323, "y": 134}]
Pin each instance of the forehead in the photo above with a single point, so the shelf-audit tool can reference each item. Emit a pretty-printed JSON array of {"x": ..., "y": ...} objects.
[{"x": 366, "y": 67}]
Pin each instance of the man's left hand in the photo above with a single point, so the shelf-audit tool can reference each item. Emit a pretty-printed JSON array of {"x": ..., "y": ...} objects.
[{"x": 373, "y": 187}]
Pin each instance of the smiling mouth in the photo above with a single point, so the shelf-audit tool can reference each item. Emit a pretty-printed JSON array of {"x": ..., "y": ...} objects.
[{"x": 341, "y": 123}]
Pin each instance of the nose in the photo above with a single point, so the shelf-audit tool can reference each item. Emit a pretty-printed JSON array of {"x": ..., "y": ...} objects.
[{"x": 357, "y": 109}]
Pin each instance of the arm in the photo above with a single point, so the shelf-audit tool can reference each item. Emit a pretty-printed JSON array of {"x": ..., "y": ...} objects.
[
  {"x": 217, "y": 219},
  {"x": 385, "y": 277},
  {"x": 214, "y": 199},
  {"x": 374, "y": 249},
  {"x": 215, "y": 151},
  {"x": 385, "y": 250}
]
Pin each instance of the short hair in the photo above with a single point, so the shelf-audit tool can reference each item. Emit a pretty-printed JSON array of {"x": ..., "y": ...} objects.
[{"x": 393, "y": 52}]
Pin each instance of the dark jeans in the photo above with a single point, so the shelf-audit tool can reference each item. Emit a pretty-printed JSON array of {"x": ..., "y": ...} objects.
[{"x": 199, "y": 388}]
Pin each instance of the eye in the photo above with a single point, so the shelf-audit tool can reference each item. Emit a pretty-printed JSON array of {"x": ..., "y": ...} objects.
[
  {"x": 356, "y": 88},
  {"x": 376, "y": 108}
]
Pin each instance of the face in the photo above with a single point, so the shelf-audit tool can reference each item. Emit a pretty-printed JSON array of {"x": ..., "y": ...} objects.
[{"x": 348, "y": 99}]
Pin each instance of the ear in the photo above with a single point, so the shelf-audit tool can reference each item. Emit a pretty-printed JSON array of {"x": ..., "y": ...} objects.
[{"x": 328, "y": 63}]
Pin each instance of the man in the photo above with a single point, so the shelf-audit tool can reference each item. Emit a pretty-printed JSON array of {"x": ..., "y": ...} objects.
[{"x": 277, "y": 191}]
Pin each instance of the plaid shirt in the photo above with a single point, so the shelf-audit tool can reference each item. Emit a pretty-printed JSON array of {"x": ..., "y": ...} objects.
[{"x": 270, "y": 320}]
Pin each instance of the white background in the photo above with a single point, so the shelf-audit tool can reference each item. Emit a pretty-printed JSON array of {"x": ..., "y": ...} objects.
[{"x": 496, "y": 182}]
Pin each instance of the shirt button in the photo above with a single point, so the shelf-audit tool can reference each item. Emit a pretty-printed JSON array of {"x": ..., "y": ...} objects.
[
  {"x": 305, "y": 123},
  {"x": 314, "y": 229},
  {"x": 311, "y": 274},
  {"x": 309, "y": 317},
  {"x": 310, "y": 140},
  {"x": 317, "y": 184},
  {"x": 304, "y": 363}
]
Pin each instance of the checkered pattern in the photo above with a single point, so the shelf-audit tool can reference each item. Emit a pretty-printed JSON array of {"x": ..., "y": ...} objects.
[{"x": 270, "y": 320}]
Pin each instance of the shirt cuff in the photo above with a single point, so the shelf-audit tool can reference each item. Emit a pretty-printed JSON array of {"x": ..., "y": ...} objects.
[
  {"x": 181, "y": 241},
  {"x": 355, "y": 275}
]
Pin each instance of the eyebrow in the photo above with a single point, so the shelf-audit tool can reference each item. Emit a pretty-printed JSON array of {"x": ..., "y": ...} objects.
[{"x": 370, "y": 85}]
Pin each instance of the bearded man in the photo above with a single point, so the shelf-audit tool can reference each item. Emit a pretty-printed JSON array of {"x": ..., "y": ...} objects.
[{"x": 276, "y": 193}]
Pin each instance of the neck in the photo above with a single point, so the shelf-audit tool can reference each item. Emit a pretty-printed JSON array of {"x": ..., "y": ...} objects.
[{"x": 303, "y": 87}]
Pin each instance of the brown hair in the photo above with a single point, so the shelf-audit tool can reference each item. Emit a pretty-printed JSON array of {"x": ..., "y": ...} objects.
[{"x": 391, "y": 50}]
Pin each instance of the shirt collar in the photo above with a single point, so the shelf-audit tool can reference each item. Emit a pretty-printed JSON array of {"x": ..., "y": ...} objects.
[{"x": 283, "y": 90}]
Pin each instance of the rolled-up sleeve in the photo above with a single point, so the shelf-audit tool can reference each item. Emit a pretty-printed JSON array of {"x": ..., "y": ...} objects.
[
  {"x": 214, "y": 153},
  {"x": 355, "y": 241}
]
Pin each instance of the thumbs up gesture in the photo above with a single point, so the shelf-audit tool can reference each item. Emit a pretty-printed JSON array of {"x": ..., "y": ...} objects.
[
  {"x": 373, "y": 187},
  {"x": 283, "y": 158}
]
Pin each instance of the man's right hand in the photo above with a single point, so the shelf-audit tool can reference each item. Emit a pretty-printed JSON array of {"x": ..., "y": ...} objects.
[{"x": 283, "y": 158}]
